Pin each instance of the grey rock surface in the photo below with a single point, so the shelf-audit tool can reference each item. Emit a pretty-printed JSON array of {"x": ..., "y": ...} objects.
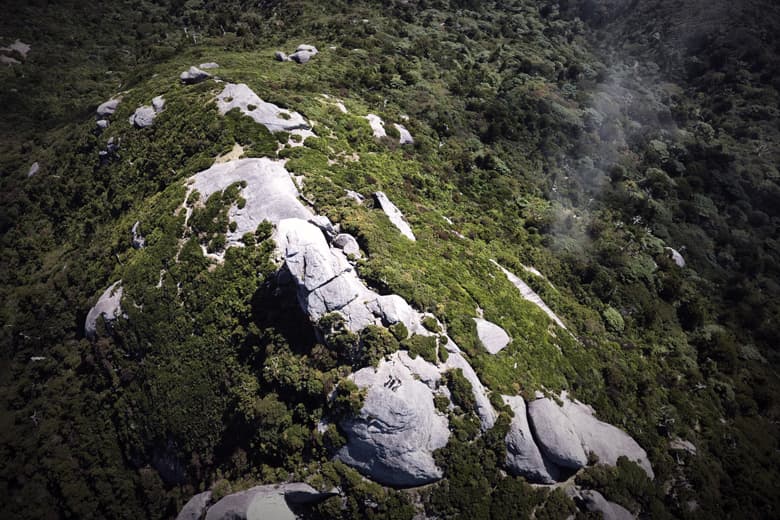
[
  {"x": 606, "y": 441},
  {"x": 280, "y": 56},
  {"x": 209, "y": 65},
  {"x": 108, "y": 306},
  {"x": 523, "y": 457},
  {"x": 594, "y": 502},
  {"x": 143, "y": 117},
  {"x": 393, "y": 438},
  {"x": 270, "y": 193},
  {"x": 395, "y": 215},
  {"x": 34, "y": 168},
  {"x": 276, "y": 119},
  {"x": 193, "y": 75},
  {"x": 556, "y": 434},
  {"x": 325, "y": 225},
  {"x": 195, "y": 507},
  {"x": 269, "y": 502},
  {"x": 108, "y": 108},
  {"x": 377, "y": 125},
  {"x": 530, "y": 295},
  {"x": 493, "y": 337},
  {"x": 487, "y": 415},
  {"x": 406, "y": 137},
  {"x": 102, "y": 124},
  {"x": 138, "y": 241},
  {"x": 348, "y": 244},
  {"x": 158, "y": 104},
  {"x": 677, "y": 258},
  {"x": 303, "y": 54}
]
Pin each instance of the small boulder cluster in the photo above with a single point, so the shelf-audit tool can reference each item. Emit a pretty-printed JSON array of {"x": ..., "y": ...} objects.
[
  {"x": 143, "y": 116},
  {"x": 301, "y": 55}
]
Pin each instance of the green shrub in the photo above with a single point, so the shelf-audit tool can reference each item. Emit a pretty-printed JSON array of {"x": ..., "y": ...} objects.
[
  {"x": 424, "y": 346},
  {"x": 613, "y": 319}
]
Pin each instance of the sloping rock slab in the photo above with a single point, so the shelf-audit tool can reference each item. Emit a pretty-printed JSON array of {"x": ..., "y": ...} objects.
[
  {"x": 493, "y": 337},
  {"x": 108, "y": 306},
  {"x": 395, "y": 215},
  {"x": 274, "y": 118}
]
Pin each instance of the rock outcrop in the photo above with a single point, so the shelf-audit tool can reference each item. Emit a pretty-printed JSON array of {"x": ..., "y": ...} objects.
[
  {"x": 108, "y": 306},
  {"x": 34, "y": 168},
  {"x": 405, "y": 136},
  {"x": 195, "y": 507},
  {"x": 606, "y": 441},
  {"x": 492, "y": 337},
  {"x": 138, "y": 240},
  {"x": 594, "y": 502},
  {"x": 209, "y": 65},
  {"x": 193, "y": 75},
  {"x": 107, "y": 108},
  {"x": 485, "y": 412},
  {"x": 273, "y": 501},
  {"x": 274, "y": 118},
  {"x": 348, "y": 244},
  {"x": 676, "y": 257},
  {"x": 377, "y": 125},
  {"x": 556, "y": 434},
  {"x": 523, "y": 457},
  {"x": 270, "y": 193},
  {"x": 303, "y": 54},
  {"x": 393, "y": 438},
  {"x": 395, "y": 215},
  {"x": 530, "y": 295},
  {"x": 143, "y": 116}
]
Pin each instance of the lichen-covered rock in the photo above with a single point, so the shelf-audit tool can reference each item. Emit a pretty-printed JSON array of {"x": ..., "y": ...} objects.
[
  {"x": 523, "y": 457},
  {"x": 158, "y": 104},
  {"x": 193, "y": 75},
  {"x": 395, "y": 215},
  {"x": 556, "y": 434},
  {"x": 606, "y": 441},
  {"x": 280, "y": 56},
  {"x": 492, "y": 337},
  {"x": 34, "y": 168},
  {"x": 393, "y": 438},
  {"x": 195, "y": 507},
  {"x": 108, "y": 306}
]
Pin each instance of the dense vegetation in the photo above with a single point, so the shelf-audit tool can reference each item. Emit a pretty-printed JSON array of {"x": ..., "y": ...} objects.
[{"x": 579, "y": 137}]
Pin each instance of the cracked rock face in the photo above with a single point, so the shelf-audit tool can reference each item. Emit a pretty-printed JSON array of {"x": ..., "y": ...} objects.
[
  {"x": 523, "y": 456},
  {"x": 606, "y": 441},
  {"x": 556, "y": 434},
  {"x": 108, "y": 306},
  {"x": 393, "y": 438},
  {"x": 493, "y": 337}
]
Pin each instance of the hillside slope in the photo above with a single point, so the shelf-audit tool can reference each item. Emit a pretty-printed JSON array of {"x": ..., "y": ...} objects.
[{"x": 300, "y": 282}]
